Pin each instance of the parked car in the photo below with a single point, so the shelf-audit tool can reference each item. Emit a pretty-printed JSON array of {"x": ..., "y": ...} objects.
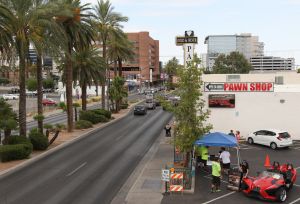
[
  {"x": 10, "y": 96},
  {"x": 140, "y": 110},
  {"x": 49, "y": 102},
  {"x": 270, "y": 137},
  {"x": 14, "y": 91},
  {"x": 157, "y": 102},
  {"x": 31, "y": 93}
]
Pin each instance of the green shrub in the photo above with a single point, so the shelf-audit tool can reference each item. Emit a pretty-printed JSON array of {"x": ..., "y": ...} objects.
[
  {"x": 15, "y": 152},
  {"x": 92, "y": 117},
  {"x": 106, "y": 113},
  {"x": 4, "y": 80},
  {"x": 124, "y": 106},
  {"x": 62, "y": 105},
  {"x": 83, "y": 124},
  {"x": 12, "y": 140},
  {"x": 38, "y": 140}
]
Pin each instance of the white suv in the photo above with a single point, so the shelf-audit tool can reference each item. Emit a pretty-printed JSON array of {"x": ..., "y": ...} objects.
[{"x": 271, "y": 138}]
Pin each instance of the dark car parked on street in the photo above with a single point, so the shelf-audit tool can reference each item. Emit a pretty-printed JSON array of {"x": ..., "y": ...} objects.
[{"x": 140, "y": 110}]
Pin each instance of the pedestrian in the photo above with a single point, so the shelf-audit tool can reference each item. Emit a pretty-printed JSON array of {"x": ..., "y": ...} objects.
[
  {"x": 204, "y": 156},
  {"x": 216, "y": 175},
  {"x": 244, "y": 170},
  {"x": 237, "y": 135},
  {"x": 225, "y": 160},
  {"x": 168, "y": 130},
  {"x": 231, "y": 133}
]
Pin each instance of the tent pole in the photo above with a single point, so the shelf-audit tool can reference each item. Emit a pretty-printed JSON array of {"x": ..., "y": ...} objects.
[{"x": 238, "y": 155}]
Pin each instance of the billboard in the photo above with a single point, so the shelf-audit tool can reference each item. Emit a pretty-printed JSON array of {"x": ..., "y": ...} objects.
[{"x": 221, "y": 100}]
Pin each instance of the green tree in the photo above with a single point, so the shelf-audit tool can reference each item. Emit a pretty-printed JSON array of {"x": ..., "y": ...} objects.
[
  {"x": 76, "y": 24},
  {"x": 171, "y": 68},
  {"x": 8, "y": 119},
  {"x": 19, "y": 22},
  {"x": 190, "y": 114},
  {"x": 88, "y": 68},
  {"x": 234, "y": 63},
  {"x": 117, "y": 92},
  {"x": 31, "y": 84},
  {"x": 120, "y": 49},
  {"x": 48, "y": 83},
  {"x": 107, "y": 24}
]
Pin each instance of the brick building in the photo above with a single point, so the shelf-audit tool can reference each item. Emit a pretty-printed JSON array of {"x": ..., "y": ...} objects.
[{"x": 144, "y": 67}]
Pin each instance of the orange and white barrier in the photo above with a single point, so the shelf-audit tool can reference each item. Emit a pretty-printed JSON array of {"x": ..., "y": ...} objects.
[
  {"x": 176, "y": 188},
  {"x": 177, "y": 176}
]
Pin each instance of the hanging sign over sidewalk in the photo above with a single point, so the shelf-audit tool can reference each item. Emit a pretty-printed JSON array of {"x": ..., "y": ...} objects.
[{"x": 239, "y": 87}]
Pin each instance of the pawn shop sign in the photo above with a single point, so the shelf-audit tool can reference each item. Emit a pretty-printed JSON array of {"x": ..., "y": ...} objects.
[{"x": 239, "y": 87}]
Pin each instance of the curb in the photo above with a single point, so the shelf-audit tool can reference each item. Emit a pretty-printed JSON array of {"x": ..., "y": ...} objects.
[{"x": 61, "y": 146}]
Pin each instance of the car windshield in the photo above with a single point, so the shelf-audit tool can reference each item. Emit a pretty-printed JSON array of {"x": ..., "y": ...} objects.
[
  {"x": 149, "y": 101},
  {"x": 139, "y": 107},
  {"x": 270, "y": 174},
  {"x": 284, "y": 135}
]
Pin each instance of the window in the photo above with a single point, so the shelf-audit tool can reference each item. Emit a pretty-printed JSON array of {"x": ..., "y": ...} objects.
[{"x": 278, "y": 79}]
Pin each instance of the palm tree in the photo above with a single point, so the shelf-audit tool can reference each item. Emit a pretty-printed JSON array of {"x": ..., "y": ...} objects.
[
  {"x": 108, "y": 24},
  {"x": 18, "y": 23},
  {"x": 77, "y": 26},
  {"x": 88, "y": 68},
  {"x": 120, "y": 49}
]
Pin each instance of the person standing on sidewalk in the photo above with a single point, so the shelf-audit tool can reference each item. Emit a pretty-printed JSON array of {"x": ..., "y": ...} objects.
[
  {"x": 225, "y": 160},
  {"x": 216, "y": 175},
  {"x": 204, "y": 156}
]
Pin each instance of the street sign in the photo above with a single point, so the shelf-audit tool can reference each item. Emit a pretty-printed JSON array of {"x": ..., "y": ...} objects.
[
  {"x": 180, "y": 40},
  {"x": 165, "y": 175},
  {"x": 239, "y": 87}
]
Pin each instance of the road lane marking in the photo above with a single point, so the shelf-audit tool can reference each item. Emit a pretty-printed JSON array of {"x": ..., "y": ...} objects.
[
  {"x": 72, "y": 172},
  {"x": 228, "y": 194},
  {"x": 297, "y": 167},
  {"x": 295, "y": 201},
  {"x": 296, "y": 185}
]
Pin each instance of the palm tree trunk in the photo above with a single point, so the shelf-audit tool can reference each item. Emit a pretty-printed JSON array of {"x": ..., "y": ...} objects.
[
  {"x": 120, "y": 66},
  {"x": 104, "y": 76},
  {"x": 39, "y": 75},
  {"x": 83, "y": 96},
  {"x": 22, "y": 97},
  {"x": 69, "y": 89},
  {"x": 115, "y": 68}
]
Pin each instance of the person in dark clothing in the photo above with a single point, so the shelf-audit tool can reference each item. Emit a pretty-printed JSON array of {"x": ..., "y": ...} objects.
[
  {"x": 244, "y": 170},
  {"x": 168, "y": 130},
  {"x": 231, "y": 133}
]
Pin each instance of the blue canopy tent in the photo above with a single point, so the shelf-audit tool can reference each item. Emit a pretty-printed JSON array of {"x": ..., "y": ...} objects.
[{"x": 218, "y": 139}]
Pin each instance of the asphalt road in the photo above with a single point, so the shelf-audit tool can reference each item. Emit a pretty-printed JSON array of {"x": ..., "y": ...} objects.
[
  {"x": 255, "y": 155},
  {"x": 89, "y": 171},
  {"x": 62, "y": 117}
]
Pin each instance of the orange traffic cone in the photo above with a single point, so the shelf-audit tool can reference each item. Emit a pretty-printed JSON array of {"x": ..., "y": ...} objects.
[{"x": 267, "y": 161}]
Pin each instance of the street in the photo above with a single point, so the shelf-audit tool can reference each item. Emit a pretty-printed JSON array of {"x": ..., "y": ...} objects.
[
  {"x": 91, "y": 170},
  {"x": 255, "y": 155}
]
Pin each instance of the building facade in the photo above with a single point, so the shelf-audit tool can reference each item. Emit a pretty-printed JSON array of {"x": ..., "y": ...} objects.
[
  {"x": 245, "y": 43},
  {"x": 272, "y": 63},
  {"x": 144, "y": 68}
]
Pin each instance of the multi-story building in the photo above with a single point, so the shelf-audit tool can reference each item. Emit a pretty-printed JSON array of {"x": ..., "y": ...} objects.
[
  {"x": 272, "y": 63},
  {"x": 245, "y": 43},
  {"x": 145, "y": 66}
]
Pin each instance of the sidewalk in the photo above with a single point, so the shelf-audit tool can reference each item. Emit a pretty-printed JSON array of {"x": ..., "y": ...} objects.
[{"x": 145, "y": 185}]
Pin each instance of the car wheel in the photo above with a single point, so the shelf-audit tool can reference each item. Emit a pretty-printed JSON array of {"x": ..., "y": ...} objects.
[
  {"x": 250, "y": 140},
  {"x": 273, "y": 145},
  {"x": 281, "y": 194}
]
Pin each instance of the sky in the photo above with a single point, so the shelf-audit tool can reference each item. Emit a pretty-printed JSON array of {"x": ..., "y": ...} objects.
[{"x": 275, "y": 22}]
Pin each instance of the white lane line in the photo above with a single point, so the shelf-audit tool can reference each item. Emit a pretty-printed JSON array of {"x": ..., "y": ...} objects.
[
  {"x": 220, "y": 198},
  {"x": 297, "y": 167},
  {"x": 72, "y": 172},
  {"x": 208, "y": 177},
  {"x": 295, "y": 201},
  {"x": 296, "y": 185}
]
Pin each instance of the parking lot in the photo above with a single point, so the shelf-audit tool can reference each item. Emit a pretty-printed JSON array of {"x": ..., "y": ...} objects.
[{"x": 255, "y": 155}]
